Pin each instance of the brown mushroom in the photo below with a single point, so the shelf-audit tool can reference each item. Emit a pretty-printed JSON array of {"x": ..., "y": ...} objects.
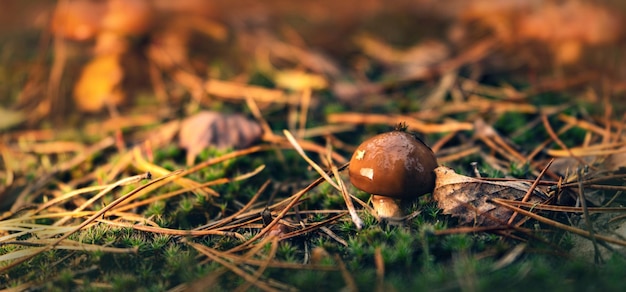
[{"x": 393, "y": 166}]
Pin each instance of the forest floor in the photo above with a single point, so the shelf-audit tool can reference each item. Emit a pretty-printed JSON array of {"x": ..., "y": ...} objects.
[{"x": 193, "y": 145}]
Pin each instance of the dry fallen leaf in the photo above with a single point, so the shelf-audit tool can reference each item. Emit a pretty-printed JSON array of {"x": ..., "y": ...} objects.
[
  {"x": 407, "y": 62},
  {"x": 78, "y": 20},
  {"x": 298, "y": 80},
  {"x": 566, "y": 27},
  {"x": 216, "y": 129},
  {"x": 10, "y": 118},
  {"x": 468, "y": 198},
  {"x": 128, "y": 17},
  {"x": 169, "y": 47},
  {"x": 603, "y": 224},
  {"x": 571, "y": 20},
  {"x": 99, "y": 84},
  {"x": 616, "y": 161}
]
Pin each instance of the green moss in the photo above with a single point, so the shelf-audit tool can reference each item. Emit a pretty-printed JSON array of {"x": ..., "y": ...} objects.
[{"x": 520, "y": 171}]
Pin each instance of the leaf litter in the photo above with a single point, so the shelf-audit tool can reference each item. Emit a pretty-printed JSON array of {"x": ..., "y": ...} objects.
[{"x": 85, "y": 186}]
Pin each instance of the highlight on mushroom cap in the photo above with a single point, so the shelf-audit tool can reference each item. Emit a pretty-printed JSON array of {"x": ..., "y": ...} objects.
[{"x": 394, "y": 164}]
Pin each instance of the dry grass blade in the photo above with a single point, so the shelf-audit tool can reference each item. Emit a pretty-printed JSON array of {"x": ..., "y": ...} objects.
[
  {"x": 380, "y": 269},
  {"x": 69, "y": 195},
  {"x": 232, "y": 267},
  {"x": 339, "y": 185},
  {"x": 144, "y": 165},
  {"x": 556, "y": 224},
  {"x": 45, "y": 231},
  {"x": 312, "y": 227},
  {"x": 459, "y": 155},
  {"x": 122, "y": 182},
  {"x": 555, "y": 137},
  {"x": 39, "y": 245},
  {"x": 592, "y": 150},
  {"x": 292, "y": 201},
  {"x": 248, "y": 260},
  {"x": 475, "y": 229},
  {"x": 234, "y": 216},
  {"x": 259, "y": 272},
  {"x": 238, "y": 91},
  {"x": 589, "y": 225},
  {"x": 20, "y": 228},
  {"x": 556, "y": 208},
  {"x": 509, "y": 257},
  {"x": 89, "y": 220},
  {"x": 531, "y": 190},
  {"x": 205, "y": 185},
  {"x": 169, "y": 231},
  {"x": 333, "y": 235},
  {"x": 412, "y": 123},
  {"x": 256, "y": 112},
  {"x": 43, "y": 179},
  {"x": 347, "y": 197},
  {"x": 312, "y": 163},
  {"x": 585, "y": 125},
  {"x": 488, "y": 135}
]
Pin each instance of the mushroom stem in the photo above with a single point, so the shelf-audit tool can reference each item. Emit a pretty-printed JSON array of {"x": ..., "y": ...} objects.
[{"x": 386, "y": 207}]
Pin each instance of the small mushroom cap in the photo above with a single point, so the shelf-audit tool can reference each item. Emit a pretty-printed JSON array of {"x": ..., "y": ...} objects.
[{"x": 394, "y": 164}]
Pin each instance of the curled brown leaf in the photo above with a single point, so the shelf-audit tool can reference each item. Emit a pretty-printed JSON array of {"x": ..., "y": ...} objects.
[
  {"x": 216, "y": 129},
  {"x": 469, "y": 198}
]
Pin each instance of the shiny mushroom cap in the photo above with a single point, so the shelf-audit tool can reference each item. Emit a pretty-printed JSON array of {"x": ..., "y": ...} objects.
[{"x": 394, "y": 164}]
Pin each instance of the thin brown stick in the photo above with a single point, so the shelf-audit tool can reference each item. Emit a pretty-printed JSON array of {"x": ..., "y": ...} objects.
[
  {"x": 461, "y": 230},
  {"x": 583, "y": 204},
  {"x": 608, "y": 112},
  {"x": 232, "y": 217},
  {"x": 553, "y": 135},
  {"x": 531, "y": 190},
  {"x": 170, "y": 231},
  {"x": 412, "y": 123},
  {"x": 558, "y": 224},
  {"x": 232, "y": 267},
  {"x": 582, "y": 124},
  {"x": 312, "y": 227},
  {"x": 379, "y": 262},
  {"x": 445, "y": 139},
  {"x": 350, "y": 283},
  {"x": 259, "y": 272},
  {"x": 545, "y": 207}
]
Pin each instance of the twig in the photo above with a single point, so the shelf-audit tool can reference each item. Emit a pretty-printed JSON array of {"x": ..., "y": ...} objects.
[
  {"x": 558, "y": 224},
  {"x": 546, "y": 124},
  {"x": 412, "y": 123},
  {"x": 583, "y": 204},
  {"x": 531, "y": 190}
]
